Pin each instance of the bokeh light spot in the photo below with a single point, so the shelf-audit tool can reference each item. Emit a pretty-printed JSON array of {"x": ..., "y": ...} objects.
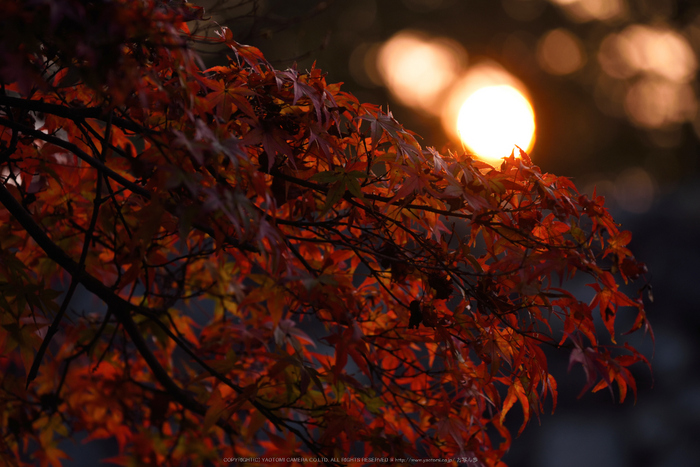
[
  {"x": 656, "y": 103},
  {"x": 656, "y": 66},
  {"x": 560, "y": 52},
  {"x": 639, "y": 48},
  {"x": 494, "y": 119},
  {"x": 417, "y": 69},
  {"x": 589, "y": 10},
  {"x": 614, "y": 56}
]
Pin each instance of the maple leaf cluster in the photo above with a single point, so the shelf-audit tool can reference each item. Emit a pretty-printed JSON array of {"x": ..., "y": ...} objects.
[{"x": 276, "y": 268}]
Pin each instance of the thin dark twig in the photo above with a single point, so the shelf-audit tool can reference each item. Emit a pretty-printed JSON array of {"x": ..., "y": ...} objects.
[
  {"x": 75, "y": 279},
  {"x": 121, "y": 308},
  {"x": 78, "y": 152}
]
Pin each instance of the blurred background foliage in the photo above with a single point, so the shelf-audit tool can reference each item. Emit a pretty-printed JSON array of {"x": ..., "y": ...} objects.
[{"x": 614, "y": 89}]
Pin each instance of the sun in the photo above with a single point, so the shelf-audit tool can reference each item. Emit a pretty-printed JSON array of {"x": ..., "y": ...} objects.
[{"x": 495, "y": 118}]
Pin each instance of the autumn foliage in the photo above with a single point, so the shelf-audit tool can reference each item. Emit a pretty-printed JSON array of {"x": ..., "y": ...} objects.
[{"x": 275, "y": 269}]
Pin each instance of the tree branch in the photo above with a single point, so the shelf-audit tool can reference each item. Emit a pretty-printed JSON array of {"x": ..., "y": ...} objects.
[
  {"x": 112, "y": 174},
  {"x": 78, "y": 152},
  {"x": 120, "y": 307},
  {"x": 122, "y": 310},
  {"x": 72, "y": 113}
]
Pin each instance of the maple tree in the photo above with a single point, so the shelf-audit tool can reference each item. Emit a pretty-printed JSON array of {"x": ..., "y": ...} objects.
[{"x": 283, "y": 269}]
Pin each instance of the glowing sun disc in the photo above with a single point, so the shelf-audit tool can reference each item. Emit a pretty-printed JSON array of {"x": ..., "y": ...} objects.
[{"x": 493, "y": 119}]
